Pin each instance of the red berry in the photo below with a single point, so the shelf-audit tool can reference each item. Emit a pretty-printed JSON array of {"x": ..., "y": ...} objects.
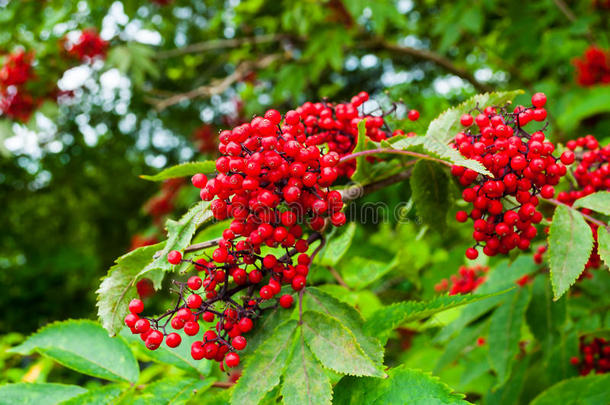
[
  {"x": 136, "y": 306},
  {"x": 194, "y": 283},
  {"x": 173, "y": 339},
  {"x": 461, "y": 216},
  {"x": 472, "y": 253},
  {"x": 232, "y": 360},
  {"x": 286, "y": 301},
  {"x": 413, "y": 115},
  {"x": 266, "y": 292},
  {"x": 567, "y": 157},
  {"x": 174, "y": 257},
  {"x": 142, "y": 326},
  {"x": 239, "y": 342},
  {"x": 191, "y": 328},
  {"x": 539, "y": 100},
  {"x": 194, "y": 301},
  {"x": 199, "y": 180},
  {"x": 466, "y": 120},
  {"x": 245, "y": 325}
]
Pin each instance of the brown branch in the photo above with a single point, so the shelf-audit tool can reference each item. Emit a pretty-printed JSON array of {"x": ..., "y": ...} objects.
[
  {"x": 437, "y": 59},
  {"x": 223, "y": 384},
  {"x": 217, "y": 86},
  {"x": 219, "y": 44},
  {"x": 337, "y": 277},
  {"x": 589, "y": 218},
  {"x": 569, "y": 14},
  {"x": 202, "y": 245},
  {"x": 351, "y": 193}
]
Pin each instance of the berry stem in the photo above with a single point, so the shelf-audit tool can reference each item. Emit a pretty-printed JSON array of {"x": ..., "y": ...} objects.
[
  {"x": 391, "y": 151},
  {"x": 589, "y": 218}
]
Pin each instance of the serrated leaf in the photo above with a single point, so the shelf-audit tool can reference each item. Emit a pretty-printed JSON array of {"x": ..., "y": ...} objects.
[
  {"x": 385, "y": 320},
  {"x": 318, "y": 300},
  {"x": 445, "y": 152},
  {"x": 403, "y": 386},
  {"x": 305, "y": 381},
  {"x": 589, "y": 390},
  {"x": 179, "y": 236},
  {"x": 447, "y": 125},
  {"x": 179, "y": 357},
  {"x": 570, "y": 244},
  {"x": 544, "y": 316},
  {"x": 403, "y": 142},
  {"x": 84, "y": 346},
  {"x": 603, "y": 244},
  {"x": 174, "y": 390},
  {"x": 337, "y": 246},
  {"x": 598, "y": 202},
  {"x": 266, "y": 326},
  {"x": 336, "y": 347},
  {"x": 43, "y": 393},
  {"x": 509, "y": 393},
  {"x": 457, "y": 345},
  {"x": 182, "y": 170},
  {"x": 105, "y": 395},
  {"x": 429, "y": 189},
  {"x": 118, "y": 287},
  {"x": 265, "y": 366},
  {"x": 505, "y": 332},
  {"x": 360, "y": 174}
]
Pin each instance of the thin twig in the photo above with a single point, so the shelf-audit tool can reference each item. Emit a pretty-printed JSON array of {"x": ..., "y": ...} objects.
[
  {"x": 589, "y": 218},
  {"x": 223, "y": 384},
  {"x": 217, "y": 86},
  {"x": 437, "y": 59},
  {"x": 202, "y": 245},
  {"x": 337, "y": 277},
  {"x": 205, "y": 46},
  {"x": 348, "y": 195},
  {"x": 391, "y": 151}
]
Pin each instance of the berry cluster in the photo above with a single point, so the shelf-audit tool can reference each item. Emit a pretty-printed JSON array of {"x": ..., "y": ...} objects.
[
  {"x": 16, "y": 101},
  {"x": 205, "y": 139},
  {"x": 270, "y": 182},
  {"x": 88, "y": 46},
  {"x": 593, "y": 68},
  {"x": 595, "y": 356},
  {"x": 163, "y": 203},
  {"x": 523, "y": 168},
  {"x": 467, "y": 280},
  {"x": 336, "y": 125}
]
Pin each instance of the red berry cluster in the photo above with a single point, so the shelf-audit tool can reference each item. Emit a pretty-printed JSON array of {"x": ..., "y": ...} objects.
[
  {"x": 88, "y": 46},
  {"x": 593, "y": 68},
  {"x": 163, "y": 203},
  {"x": 523, "y": 167},
  {"x": 467, "y": 280},
  {"x": 336, "y": 125},
  {"x": 16, "y": 101},
  {"x": 594, "y": 356},
  {"x": 270, "y": 183},
  {"x": 205, "y": 139}
]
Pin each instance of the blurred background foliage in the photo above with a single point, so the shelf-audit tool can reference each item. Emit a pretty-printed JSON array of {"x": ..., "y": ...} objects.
[{"x": 177, "y": 72}]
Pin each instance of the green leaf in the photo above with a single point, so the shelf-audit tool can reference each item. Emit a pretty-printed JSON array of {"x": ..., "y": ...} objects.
[
  {"x": 173, "y": 390},
  {"x": 510, "y": 392},
  {"x": 182, "y": 170},
  {"x": 105, "y": 395},
  {"x": 336, "y": 347},
  {"x": 265, "y": 366},
  {"x": 44, "y": 393},
  {"x": 118, "y": 287},
  {"x": 316, "y": 299},
  {"x": 360, "y": 175},
  {"x": 505, "y": 332},
  {"x": 179, "y": 357},
  {"x": 570, "y": 244},
  {"x": 589, "y": 102},
  {"x": 455, "y": 346},
  {"x": 385, "y": 320},
  {"x": 337, "y": 245},
  {"x": 544, "y": 316},
  {"x": 429, "y": 188},
  {"x": 445, "y": 152},
  {"x": 266, "y": 326},
  {"x": 305, "y": 381},
  {"x": 84, "y": 346},
  {"x": 403, "y": 386},
  {"x": 447, "y": 125},
  {"x": 598, "y": 202},
  {"x": 358, "y": 272},
  {"x": 589, "y": 390},
  {"x": 603, "y": 244}
]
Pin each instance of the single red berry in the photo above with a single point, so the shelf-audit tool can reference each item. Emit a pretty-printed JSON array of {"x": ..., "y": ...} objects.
[
  {"x": 245, "y": 325},
  {"x": 539, "y": 100},
  {"x": 286, "y": 301},
  {"x": 142, "y": 326},
  {"x": 266, "y": 292},
  {"x": 173, "y": 339},
  {"x": 191, "y": 328},
  {"x": 232, "y": 360},
  {"x": 239, "y": 342},
  {"x": 199, "y": 180},
  {"x": 567, "y": 157},
  {"x": 466, "y": 120},
  {"x": 298, "y": 282},
  {"x": 174, "y": 257},
  {"x": 472, "y": 253},
  {"x": 194, "y": 301},
  {"x": 461, "y": 216},
  {"x": 194, "y": 282},
  {"x": 131, "y": 319},
  {"x": 413, "y": 115},
  {"x": 136, "y": 306}
]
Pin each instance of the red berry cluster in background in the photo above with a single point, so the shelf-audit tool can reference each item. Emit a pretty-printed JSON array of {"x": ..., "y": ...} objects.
[
  {"x": 206, "y": 139},
  {"x": 87, "y": 46},
  {"x": 16, "y": 102},
  {"x": 523, "y": 168},
  {"x": 163, "y": 203},
  {"x": 271, "y": 182},
  {"x": 592, "y": 174},
  {"x": 466, "y": 281},
  {"x": 593, "y": 68},
  {"x": 594, "y": 356},
  {"x": 336, "y": 125}
]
